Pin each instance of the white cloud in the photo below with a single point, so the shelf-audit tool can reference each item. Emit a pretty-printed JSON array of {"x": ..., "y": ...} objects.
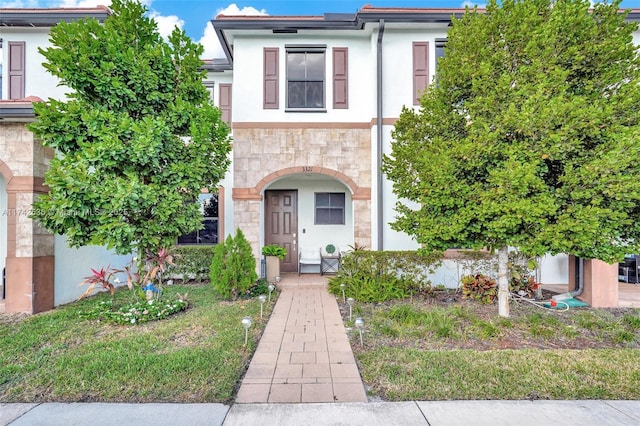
[
  {"x": 20, "y": 4},
  {"x": 472, "y": 4},
  {"x": 166, "y": 24},
  {"x": 209, "y": 40}
]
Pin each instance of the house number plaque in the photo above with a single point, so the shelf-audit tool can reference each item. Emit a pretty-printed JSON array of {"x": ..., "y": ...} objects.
[{"x": 307, "y": 169}]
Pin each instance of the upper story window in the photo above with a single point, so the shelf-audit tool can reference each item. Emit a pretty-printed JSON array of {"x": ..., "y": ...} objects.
[{"x": 306, "y": 75}]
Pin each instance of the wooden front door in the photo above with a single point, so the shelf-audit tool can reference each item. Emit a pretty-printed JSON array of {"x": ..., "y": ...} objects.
[{"x": 281, "y": 225}]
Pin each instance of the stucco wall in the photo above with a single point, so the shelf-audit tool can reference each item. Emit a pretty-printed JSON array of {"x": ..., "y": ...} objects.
[
  {"x": 38, "y": 81},
  {"x": 72, "y": 265}
]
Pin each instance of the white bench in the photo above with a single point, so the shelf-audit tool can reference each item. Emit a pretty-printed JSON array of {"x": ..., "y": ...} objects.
[{"x": 308, "y": 257}]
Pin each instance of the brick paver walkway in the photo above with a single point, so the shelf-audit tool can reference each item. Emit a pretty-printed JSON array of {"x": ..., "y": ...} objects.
[{"x": 304, "y": 354}]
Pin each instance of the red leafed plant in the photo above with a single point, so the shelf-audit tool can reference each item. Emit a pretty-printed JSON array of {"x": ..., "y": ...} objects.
[
  {"x": 100, "y": 277},
  {"x": 153, "y": 263},
  {"x": 479, "y": 287}
]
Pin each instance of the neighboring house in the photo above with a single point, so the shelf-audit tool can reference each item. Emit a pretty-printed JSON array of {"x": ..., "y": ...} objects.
[
  {"x": 39, "y": 270},
  {"x": 311, "y": 102}
]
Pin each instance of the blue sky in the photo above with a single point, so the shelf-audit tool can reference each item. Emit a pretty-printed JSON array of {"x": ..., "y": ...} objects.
[{"x": 194, "y": 15}]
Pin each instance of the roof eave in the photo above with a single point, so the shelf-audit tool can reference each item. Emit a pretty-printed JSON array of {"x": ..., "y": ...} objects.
[{"x": 18, "y": 18}]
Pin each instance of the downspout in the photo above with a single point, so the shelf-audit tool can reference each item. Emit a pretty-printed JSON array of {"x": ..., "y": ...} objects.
[
  {"x": 379, "y": 129},
  {"x": 580, "y": 277}
]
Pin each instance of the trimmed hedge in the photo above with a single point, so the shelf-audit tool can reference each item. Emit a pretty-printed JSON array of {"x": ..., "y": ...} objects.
[
  {"x": 191, "y": 263},
  {"x": 376, "y": 276}
]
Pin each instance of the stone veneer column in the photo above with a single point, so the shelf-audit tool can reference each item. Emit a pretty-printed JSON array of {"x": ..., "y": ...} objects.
[
  {"x": 30, "y": 250},
  {"x": 362, "y": 223},
  {"x": 247, "y": 217},
  {"x": 600, "y": 282}
]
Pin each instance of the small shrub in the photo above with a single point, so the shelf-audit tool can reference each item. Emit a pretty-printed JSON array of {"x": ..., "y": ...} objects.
[
  {"x": 233, "y": 267},
  {"x": 405, "y": 315},
  {"x": 486, "y": 329},
  {"x": 193, "y": 264},
  {"x": 632, "y": 321},
  {"x": 624, "y": 336},
  {"x": 479, "y": 287},
  {"x": 377, "y": 276},
  {"x": 260, "y": 287}
]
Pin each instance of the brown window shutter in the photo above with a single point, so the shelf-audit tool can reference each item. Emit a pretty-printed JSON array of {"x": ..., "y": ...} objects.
[
  {"x": 16, "y": 69},
  {"x": 270, "y": 95},
  {"x": 420, "y": 69},
  {"x": 340, "y": 78},
  {"x": 225, "y": 102}
]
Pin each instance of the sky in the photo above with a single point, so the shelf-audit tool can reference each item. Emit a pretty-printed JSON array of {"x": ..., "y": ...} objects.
[{"x": 193, "y": 16}]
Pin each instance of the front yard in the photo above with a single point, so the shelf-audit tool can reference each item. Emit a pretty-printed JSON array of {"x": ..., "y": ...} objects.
[
  {"x": 447, "y": 348},
  {"x": 65, "y": 355}
]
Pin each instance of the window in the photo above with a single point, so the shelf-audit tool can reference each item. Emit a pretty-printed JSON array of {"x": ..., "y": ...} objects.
[
  {"x": 305, "y": 77},
  {"x": 209, "y": 233},
  {"x": 440, "y": 43},
  {"x": 329, "y": 208}
]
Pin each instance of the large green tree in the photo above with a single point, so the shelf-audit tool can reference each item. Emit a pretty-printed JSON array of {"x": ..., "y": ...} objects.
[
  {"x": 529, "y": 137},
  {"x": 136, "y": 140}
]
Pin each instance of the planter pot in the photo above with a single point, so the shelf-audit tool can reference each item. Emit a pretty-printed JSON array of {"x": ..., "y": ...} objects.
[{"x": 273, "y": 268}]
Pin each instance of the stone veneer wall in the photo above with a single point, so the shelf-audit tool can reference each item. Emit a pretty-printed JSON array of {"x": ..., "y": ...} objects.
[
  {"x": 30, "y": 248},
  {"x": 343, "y": 152}
]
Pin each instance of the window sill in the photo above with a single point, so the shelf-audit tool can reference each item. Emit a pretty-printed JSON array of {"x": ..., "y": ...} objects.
[{"x": 305, "y": 110}]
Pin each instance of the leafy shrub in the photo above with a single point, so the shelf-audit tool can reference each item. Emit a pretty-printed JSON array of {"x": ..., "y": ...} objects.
[
  {"x": 193, "y": 263},
  {"x": 233, "y": 267},
  {"x": 260, "y": 287},
  {"x": 274, "y": 250},
  {"x": 376, "y": 276},
  {"x": 479, "y": 287}
]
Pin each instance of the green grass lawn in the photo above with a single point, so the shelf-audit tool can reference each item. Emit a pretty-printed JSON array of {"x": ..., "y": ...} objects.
[
  {"x": 421, "y": 350},
  {"x": 193, "y": 356}
]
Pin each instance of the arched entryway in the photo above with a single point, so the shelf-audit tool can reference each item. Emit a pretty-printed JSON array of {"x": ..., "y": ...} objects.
[{"x": 305, "y": 212}]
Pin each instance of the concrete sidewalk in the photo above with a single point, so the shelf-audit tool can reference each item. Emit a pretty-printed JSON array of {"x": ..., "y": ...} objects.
[{"x": 433, "y": 413}]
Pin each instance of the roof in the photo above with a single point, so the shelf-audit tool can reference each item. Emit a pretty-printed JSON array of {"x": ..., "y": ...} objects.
[
  {"x": 18, "y": 109},
  {"x": 48, "y": 17},
  {"x": 224, "y": 25},
  {"x": 329, "y": 21}
]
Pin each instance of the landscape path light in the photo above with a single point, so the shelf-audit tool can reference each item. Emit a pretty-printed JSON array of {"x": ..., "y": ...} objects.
[
  {"x": 350, "y": 301},
  {"x": 262, "y": 298},
  {"x": 277, "y": 278},
  {"x": 342, "y": 286},
  {"x": 359, "y": 326},
  {"x": 246, "y": 323},
  {"x": 271, "y": 288}
]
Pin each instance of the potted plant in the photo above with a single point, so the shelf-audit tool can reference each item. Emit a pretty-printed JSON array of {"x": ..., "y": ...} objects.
[{"x": 273, "y": 254}]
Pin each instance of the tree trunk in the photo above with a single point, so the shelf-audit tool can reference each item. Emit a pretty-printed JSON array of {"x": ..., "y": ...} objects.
[{"x": 503, "y": 281}]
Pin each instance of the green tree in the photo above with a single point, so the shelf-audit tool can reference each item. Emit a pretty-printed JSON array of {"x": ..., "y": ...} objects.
[
  {"x": 136, "y": 140},
  {"x": 233, "y": 267},
  {"x": 529, "y": 137}
]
